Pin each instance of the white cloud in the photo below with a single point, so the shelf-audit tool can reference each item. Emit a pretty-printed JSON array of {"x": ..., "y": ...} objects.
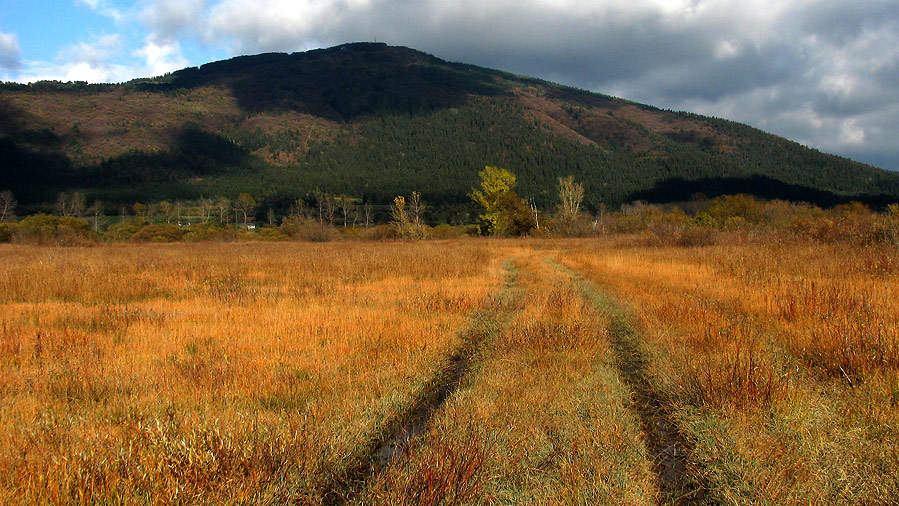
[
  {"x": 160, "y": 59},
  {"x": 169, "y": 19},
  {"x": 95, "y": 53},
  {"x": 93, "y": 61},
  {"x": 104, "y": 8},
  {"x": 10, "y": 53}
]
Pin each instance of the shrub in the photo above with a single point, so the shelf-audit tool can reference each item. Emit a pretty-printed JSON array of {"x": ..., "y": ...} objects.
[
  {"x": 307, "y": 229},
  {"x": 271, "y": 234},
  {"x": 444, "y": 231},
  {"x": 381, "y": 233},
  {"x": 209, "y": 231},
  {"x": 741, "y": 206},
  {"x": 694, "y": 235},
  {"x": 161, "y": 232},
  {"x": 44, "y": 228},
  {"x": 6, "y": 232},
  {"x": 123, "y": 231}
]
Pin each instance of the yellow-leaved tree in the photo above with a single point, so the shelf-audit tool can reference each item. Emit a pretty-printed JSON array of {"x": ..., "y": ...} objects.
[{"x": 504, "y": 212}]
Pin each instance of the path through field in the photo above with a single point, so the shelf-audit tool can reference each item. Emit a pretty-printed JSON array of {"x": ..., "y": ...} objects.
[
  {"x": 668, "y": 447},
  {"x": 583, "y": 361},
  {"x": 412, "y": 422}
]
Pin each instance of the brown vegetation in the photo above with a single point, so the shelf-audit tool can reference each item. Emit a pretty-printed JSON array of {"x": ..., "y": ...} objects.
[
  {"x": 265, "y": 372},
  {"x": 214, "y": 372}
]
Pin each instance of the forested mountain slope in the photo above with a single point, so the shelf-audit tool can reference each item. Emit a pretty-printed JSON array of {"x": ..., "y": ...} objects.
[{"x": 374, "y": 121}]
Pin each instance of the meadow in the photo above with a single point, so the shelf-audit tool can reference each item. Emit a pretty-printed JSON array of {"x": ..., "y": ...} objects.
[{"x": 752, "y": 369}]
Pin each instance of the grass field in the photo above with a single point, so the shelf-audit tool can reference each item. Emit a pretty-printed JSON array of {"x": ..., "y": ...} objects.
[{"x": 557, "y": 371}]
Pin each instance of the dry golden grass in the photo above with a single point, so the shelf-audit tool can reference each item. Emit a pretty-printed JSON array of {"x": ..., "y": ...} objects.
[
  {"x": 216, "y": 373},
  {"x": 542, "y": 419},
  {"x": 264, "y": 372},
  {"x": 781, "y": 358}
]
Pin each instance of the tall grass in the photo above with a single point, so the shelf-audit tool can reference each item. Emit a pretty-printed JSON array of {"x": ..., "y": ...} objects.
[
  {"x": 216, "y": 372},
  {"x": 780, "y": 357},
  {"x": 541, "y": 420}
]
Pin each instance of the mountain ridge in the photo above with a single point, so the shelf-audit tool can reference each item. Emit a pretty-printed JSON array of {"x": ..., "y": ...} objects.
[{"x": 372, "y": 121}]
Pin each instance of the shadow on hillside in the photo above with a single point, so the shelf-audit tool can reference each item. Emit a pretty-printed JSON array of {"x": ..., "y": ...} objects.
[
  {"x": 765, "y": 187},
  {"x": 341, "y": 83},
  {"x": 32, "y": 162}
]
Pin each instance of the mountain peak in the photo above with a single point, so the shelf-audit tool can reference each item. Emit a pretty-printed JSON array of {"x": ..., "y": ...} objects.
[{"x": 374, "y": 121}]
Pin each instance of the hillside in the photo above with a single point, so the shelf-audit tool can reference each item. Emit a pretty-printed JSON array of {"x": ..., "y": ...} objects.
[{"x": 374, "y": 121}]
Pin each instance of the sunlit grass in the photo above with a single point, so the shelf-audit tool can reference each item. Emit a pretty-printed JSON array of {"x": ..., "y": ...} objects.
[
  {"x": 781, "y": 358},
  {"x": 264, "y": 372},
  {"x": 542, "y": 418},
  {"x": 212, "y": 372}
]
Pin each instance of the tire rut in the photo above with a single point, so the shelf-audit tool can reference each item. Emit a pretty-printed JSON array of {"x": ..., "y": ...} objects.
[
  {"x": 667, "y": 446},
  {"x": 413, "y": 422}
]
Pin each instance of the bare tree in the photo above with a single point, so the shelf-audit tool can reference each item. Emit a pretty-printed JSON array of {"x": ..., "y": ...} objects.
[
  {"x": 533, "y": 206},
  {"x": 62, "y": 204},
  {"x": 600, "y": 223},
  {"x": 326, "y": 207},
  {"x": 223, "y": 206},
  {"x": 416, "y": 209},
  {"x": 96, "y": 209},
  {"x": 70, "y": 204},
  {"x": 245, "y": 204},
  {"x": 298, "y": 209},
  {"x": 407, "y": 216},
  {"x": 167, "y": 210},
  {"x": 367, "y": 210},
  {"x": 572, "y": 195},
  {"x": 7, "y": 204},
  {"x": 347, "y": 208},
  {"x": 205, "y": 206}
]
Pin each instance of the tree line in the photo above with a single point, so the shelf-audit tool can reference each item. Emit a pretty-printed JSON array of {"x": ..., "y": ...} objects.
[{"x": 499, "y": 211}]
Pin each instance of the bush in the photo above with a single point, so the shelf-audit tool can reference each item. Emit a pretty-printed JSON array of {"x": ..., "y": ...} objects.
[
  {"x": 6, "y": 231},
  {"x": 444, "y": 231},
  {"x": 44, "y": 229},
  {"x": 123, "y": 231},
  {"x": 745, "y": 207},
  {"x": 307, "y": 229},
  {"x": 694, "y": 235},
  {"x": 582, "y": 226},
  {"x": 381, "y": 233},
  {"x": 209, "y": 231},
  {"x": 270, "y": 234},
  {"x": 161, "y": 232}
]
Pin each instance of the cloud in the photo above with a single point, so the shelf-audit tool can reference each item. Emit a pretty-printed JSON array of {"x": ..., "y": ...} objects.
[
  {"x": 169, "y": 19},
  {"x": 92, "y": 61},
  {"x": 161, "y": 58},
  {"x": 104, "y": 8},
  {"x": 10, "y": 54}
]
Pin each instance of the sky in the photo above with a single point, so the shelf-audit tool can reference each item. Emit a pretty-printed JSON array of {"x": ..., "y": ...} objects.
[{"x": 824, "y": 73}]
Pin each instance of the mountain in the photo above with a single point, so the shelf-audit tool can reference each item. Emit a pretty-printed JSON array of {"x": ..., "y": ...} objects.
[{"x": 374, "y": 121}]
